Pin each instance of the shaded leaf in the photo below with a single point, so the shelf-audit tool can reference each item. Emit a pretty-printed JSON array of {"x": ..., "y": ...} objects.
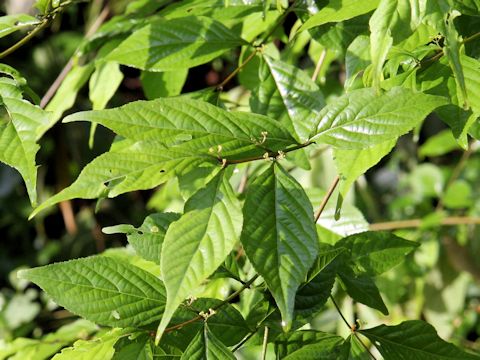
[
  {"x": 413, "y": 339},
  {"x": 166, "y": 45},
  {"x": 279, "y": 235},
  {"x": 147, "y": 240},
  {"x": 163, "y": 84},
  {"x": 375, "y": 252},
  {"x": 205, "y": 346},
  {"x": 103, "y": 290},
  {"x": 362, "y": 288},
  {"x": 197, "y": 244},
  {"x": 294, "y": 342}
]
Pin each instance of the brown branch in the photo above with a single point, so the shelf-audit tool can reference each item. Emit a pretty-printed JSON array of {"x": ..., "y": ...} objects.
[
  {"x": 224, "y": 302},
  {"x": 327, "y": 197},
  {"x": 320, "y": 62},
  {"x": 68, "y": 66},
  {"x": 237, "y": 70},
  {"x": 416, "y": 223}
]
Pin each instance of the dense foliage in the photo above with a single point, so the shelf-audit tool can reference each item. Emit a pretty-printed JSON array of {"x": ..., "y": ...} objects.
[{"x": 241, "y": 182}]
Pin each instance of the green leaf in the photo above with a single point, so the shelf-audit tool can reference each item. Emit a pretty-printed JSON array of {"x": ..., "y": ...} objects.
[
  {"x": 357, "y": 58},
  {"x": 11, "y": 23},
  {"x": 293, "y": 343},
  {"x": 227, "y": 324},
  {"x": 103, "y": 290},
  {"x": 138, "y": 349},
  {"x": 300, "y": 98},
  {"x": 375, "y": 252},
  {"x": 22, "y": 124},
  {"x": 459, "y": 195},
  {"x": 279, "y": 235},
  {"x": 197, "y": 244},
  {"x": 351, "y": 164},
  {"x": 103, "y": 84},
  {"x": 357, "y": 351},
  {"x": 211, "y": 130},
  {"x": 128, "y": 166},
  {"x": 164, "y": 84},
  {"x": 147, "y": 240},
  {"x": 312, "y": 296},
  {"x": 438, "y": 144},
  {"x": 362, "y": 288},
  {"x": 413, "y": 339},
  {"x": 361, "y": 118},
  {"x": 101, "y": 348},
  {"x": 316, "y": 346},
  {"x": 205, "y": 346},
  {"x": 381, "y": 38},
  {"x": 67, "y": 92},
  {"x": 166, "y": 45},
  {"x": 339, "y": 10}
]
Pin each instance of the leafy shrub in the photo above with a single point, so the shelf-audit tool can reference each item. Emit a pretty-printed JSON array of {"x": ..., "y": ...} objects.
[{"x": 257, "y": 251}]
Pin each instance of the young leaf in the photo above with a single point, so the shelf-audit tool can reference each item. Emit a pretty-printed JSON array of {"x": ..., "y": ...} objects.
[
  {"x": 362, "y": 288},
  {"x": 361, "y": 119},
  {"x": 381, "y": 37},
  {"x": 301, "y": 98},
  {"x": 230, "y": 134},
  {"x": 138, "y": 349},
  {"x": 96, "y": 349},
  {"x": 166, "y": 45},
  {"x": 128, "y": 166},
  {"x": 339, "y": 10},
  {"x": 104, "y": 81},
  {"x": 279, "y": 235},
  {"x": 352, "y": 163},
  {"x": 22, "y": 124},
  {"x": 290, "y": 344},
  {"x": 376, "y": 251},
  {"x": 67, "y": 92},
  {"x": 205, "y": 346},
  {"x": 413, "y": 339},
  {"x": 147, "y": 240},
  {"x": 163, "y": 84},
  {"x": 197, "y": 244},
  {"x": 11, "y": 23},
  {"x": 102, "y": 289},
  {"x": 357, "y": 58}
]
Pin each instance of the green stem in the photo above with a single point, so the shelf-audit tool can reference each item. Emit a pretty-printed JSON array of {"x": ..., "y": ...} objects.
[
  {"x": 25, "y": 39},
  {"x": 267, "y": 155}
]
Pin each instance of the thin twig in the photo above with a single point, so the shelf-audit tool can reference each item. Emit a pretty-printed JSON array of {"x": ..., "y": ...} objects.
[
  {"x": 224, "y": 302},
  {"x": 326, "y": 198},
  {"x": 416, "y": 223},
  {"x": 265, "y": 343},
  {"x": 25, "y": 39},
  {"x": 320, "y": 62},
  {"x": 68, "y": 66},
  {"x": 352, "y": 328},
  {"x": 237, "y": 70}
]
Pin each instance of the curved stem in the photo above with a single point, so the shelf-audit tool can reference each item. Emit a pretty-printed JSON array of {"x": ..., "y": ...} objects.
[{"x": 25, "y": 39}]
